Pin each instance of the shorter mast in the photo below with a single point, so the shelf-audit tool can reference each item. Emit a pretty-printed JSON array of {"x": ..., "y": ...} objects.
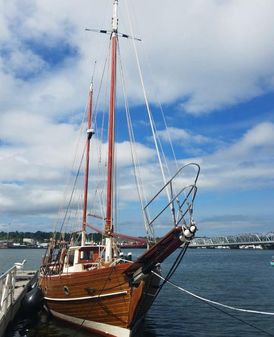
[{"x": 90, "y": 132}]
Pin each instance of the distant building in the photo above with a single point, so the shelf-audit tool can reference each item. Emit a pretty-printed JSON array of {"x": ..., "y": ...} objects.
[
  {"x": 27, "y": 241},
  {"x": 42, "y": 244},
  {"x": 3, "y": 244}
]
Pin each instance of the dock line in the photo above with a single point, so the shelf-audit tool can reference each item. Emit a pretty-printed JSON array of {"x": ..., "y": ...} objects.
[{"x": 213, "y": 302}]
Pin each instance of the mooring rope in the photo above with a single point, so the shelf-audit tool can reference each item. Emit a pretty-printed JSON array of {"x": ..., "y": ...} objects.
[{"x": 213, "y": 302}]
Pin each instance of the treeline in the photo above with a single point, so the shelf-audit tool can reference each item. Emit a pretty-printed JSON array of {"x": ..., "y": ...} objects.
[{"x": 42, "y": 236}]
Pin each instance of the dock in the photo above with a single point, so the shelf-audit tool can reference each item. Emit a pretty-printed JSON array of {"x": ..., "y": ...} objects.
[{"x": 14, "y": 284}]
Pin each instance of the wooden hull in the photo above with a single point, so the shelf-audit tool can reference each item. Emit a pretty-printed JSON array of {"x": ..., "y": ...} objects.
[{"x": 100, "y": 300}]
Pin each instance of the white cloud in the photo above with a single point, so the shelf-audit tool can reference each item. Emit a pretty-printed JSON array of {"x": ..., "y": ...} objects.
[
  {"x": 205, "y": 55},
  {"x": 255, "y": 145},
  {"x": 215, "y": 53},
  {"x": 247, "y": 163},
  {"x": 180, "y": 135}
]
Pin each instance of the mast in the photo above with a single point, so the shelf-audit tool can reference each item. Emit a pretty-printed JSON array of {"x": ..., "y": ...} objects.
[
  {"x": 110, "y": 166},
  {"x": 90, "y": 132}
]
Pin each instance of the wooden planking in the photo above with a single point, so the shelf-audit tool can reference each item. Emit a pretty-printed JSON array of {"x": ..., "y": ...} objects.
[
  {"x": 102, "y": 280},
  {"x": 111, "y": 311},
  {"x": 122, "y": 310},
  {"x": 146, "y": 297}
]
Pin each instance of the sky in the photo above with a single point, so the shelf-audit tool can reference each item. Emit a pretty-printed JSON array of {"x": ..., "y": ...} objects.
[{"x": 208, "y": 63}]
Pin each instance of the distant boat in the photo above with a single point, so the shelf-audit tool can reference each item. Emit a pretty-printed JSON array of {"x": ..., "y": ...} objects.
[
  {"x": 93, "y": 285},
  {"x": 272, "y": 261}
]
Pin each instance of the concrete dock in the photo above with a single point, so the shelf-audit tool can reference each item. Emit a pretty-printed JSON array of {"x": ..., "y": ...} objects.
[{"x": 14, "y": 284}]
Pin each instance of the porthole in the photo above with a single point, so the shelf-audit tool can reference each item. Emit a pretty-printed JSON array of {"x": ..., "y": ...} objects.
[{"x": 66, "y": 290}]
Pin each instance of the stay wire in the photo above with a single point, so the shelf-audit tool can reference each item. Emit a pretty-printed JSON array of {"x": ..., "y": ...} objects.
[
  {"x": 73, "y": 190},
  {"x": 136, "y": 164}
]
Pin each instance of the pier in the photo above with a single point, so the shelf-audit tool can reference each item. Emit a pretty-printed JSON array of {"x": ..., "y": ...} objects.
[{"x": 14, "y": 284}]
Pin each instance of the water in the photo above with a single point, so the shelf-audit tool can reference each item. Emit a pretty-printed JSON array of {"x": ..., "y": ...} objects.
[{"x": 241, "y": 278}]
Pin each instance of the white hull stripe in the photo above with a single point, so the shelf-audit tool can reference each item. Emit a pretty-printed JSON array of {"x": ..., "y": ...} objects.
[
  {"x": 107, "y": 329},
  {"x": 85, "y": 297}
]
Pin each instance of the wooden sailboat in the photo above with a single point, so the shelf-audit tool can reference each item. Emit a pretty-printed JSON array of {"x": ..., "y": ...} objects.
[{"x": 92, "y": 285}]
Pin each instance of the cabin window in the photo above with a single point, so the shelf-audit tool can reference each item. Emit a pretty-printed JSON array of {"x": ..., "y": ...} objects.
[
  {"x": 86, "y": 255},
  {"x": 71, "y": 258}
]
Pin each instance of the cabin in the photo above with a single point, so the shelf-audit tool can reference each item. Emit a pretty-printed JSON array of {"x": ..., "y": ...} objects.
[{"x": 82, "y": 258}]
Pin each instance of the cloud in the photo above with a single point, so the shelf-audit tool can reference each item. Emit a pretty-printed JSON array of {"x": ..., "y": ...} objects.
[
  {"x": 247, "y": 163},
  {"x": 206, "y": 55},
  {"x": 222, "y": 52},
  {"x": 217, "y": 53},
  {"x": 176, "y": 135},
  {"x": 234, "y": 224}
]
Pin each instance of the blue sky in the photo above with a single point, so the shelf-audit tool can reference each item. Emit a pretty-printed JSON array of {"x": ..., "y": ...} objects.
[{"x": 208, "y": 62}]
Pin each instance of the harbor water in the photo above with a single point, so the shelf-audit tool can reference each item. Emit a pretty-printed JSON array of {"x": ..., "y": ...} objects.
[{"x": 239, "y": 278}]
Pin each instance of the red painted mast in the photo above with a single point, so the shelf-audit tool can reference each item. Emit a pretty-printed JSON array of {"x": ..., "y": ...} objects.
[
  {"x": 110, "y": 167},
  {"x": 90, "y": 132}
]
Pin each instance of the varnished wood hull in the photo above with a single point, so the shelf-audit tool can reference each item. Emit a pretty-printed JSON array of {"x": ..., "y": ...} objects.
[{"x": 101, "y": 300}]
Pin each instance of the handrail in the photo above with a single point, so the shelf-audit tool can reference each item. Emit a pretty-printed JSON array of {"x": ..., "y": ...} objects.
[
  {"x": 7, "y": 286},
  {"x": 175, "y": 175},
  {"x": 190, "y": 194}
]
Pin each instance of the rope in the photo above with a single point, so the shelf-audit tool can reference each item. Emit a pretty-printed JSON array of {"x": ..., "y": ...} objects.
[
  {"x": 73, "y": 190},
  {"x": 213, "y": 302},
  {"x": 147, "y": 105},
  {"x": 172, "y": 269},
  {"x": 136, "y": 164}
]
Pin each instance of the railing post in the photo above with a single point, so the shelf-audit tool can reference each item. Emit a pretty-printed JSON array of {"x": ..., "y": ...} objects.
[
  {"x": 4, "y": 300},
  {"x": 1, "y": 292},
  {"x": 13, "y": 281},
  {"x": 7, "y": 286}
]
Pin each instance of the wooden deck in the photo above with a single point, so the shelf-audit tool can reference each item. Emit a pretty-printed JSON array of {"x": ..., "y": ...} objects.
[{"x": 14, "y": 284}]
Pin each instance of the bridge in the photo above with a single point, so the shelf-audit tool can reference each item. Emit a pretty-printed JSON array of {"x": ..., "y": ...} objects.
[{"x": 246, "y": 240}]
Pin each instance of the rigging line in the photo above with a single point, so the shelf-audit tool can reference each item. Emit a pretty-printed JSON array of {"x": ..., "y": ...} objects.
[
  {"x": 158, "y": 100},
  {"x": 102, "y": 165},
  {"x": 149, "y": 113},
  {"x": 241, "y": 320},
  {"x": 173, "y": 268},
  {"x": 161, "y": 148},
  {"x": 214, "y": 302},
  {"x": 99, "y": 90},
  {"x": 146, "y": 99},
  {"x": 101, "y": 135},
  {"x": 72, "y": 166},
  {"x": 216, "y": 305},
  {"x": 168, "y": 135},
  {"x": 136, "y": 164},
  {"x": 161, "y": 108},
  {"x": 73, "y": 189}
]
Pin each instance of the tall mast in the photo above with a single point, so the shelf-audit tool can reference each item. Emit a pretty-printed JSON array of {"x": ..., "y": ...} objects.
[
  {"x": 90, "y": 132},
  {"x": 110, "y": 166}
]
